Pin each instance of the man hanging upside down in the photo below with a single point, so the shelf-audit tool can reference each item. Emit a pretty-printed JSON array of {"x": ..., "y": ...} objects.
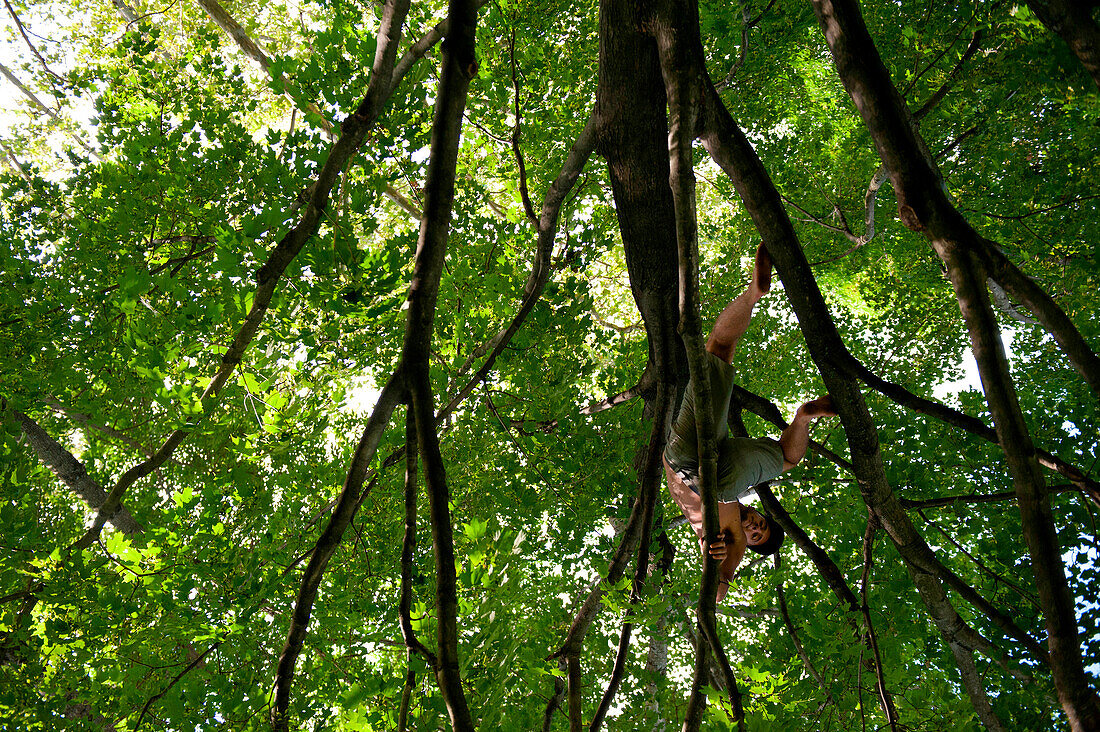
[{"x": 742, "y": 462}]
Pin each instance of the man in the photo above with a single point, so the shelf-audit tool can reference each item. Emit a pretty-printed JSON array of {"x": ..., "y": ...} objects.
[{"x": 742, "y": 462}]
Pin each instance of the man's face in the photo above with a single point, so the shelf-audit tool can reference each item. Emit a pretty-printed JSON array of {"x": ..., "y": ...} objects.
[{"x": 755, "y": 525}]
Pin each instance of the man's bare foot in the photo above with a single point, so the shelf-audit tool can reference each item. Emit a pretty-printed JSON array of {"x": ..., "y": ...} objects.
[
  {"x": 820, "y": 407},
  {"x": 762, "y": 270}
]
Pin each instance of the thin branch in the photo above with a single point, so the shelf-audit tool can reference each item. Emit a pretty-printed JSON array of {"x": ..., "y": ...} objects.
[
  {"x": 174, "y": 681},
  {"x": 13, "y": 162},
  {"x": 742, "y": 53},
  {"x": 952, "y": 76},
  {"x": 23, "y": 32},
  {"x": 978, "y": 498},
  {"x": 647, "y": 497},
  {"x": 613, "y": 400},
  {"x": 350, "y": 498},
  {"x": 353, "y": 133},
  {"x": 5, "y": 71},
  {"x": 792, "y": 631},
  {"x": 978, "y": 563},
  {"x": 524, "y": 196},
  {"x": 88, "y": 422},
  {"x": 1036, "y": 212},
  {"x": 540, "y": 270},
  {"x": 885, "y": 698}
]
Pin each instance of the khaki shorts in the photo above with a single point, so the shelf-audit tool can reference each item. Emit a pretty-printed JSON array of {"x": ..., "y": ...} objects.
[{"x": 742, "y": 462}]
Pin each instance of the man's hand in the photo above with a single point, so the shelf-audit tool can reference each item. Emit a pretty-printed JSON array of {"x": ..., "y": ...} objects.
[{"x": 718, "y": 548}]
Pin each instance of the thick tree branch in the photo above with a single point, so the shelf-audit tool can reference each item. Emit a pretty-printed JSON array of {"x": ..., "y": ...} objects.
[
  {"x": 1073, "y": 22},
  {"x": 72, "y": 472},
  {"x": 682, "y": 87},
  {"x": 924, "y": 207},
  {"x": 408, "y": 545}
]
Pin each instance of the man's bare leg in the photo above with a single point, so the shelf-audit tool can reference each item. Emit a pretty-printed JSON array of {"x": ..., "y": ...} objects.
[
  {"x": 734, "y": 318},
  {"x": 796, "y": 438}
]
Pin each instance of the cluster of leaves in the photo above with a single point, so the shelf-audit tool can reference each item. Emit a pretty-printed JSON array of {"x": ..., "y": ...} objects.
[{"x": 124, "y": 274}]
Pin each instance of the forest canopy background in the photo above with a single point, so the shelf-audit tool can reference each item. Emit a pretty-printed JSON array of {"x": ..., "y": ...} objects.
[{"x": 161, "y": 160}]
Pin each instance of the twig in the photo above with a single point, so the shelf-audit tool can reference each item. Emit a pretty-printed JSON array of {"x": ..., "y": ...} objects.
[
  {"x": 173, "y": 682},
  {"x": 793, "y": 633},
  {"x": 1016, "y": 588},
  {"x": 524, "y": 196},
  {"x": 884, "y": 694},
  {"x": 23, "y": 32}
]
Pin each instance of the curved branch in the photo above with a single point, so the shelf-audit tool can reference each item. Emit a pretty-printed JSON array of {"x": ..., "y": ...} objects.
[
  {"x": 747, "y": 25},
  {"x": 354, "y": 130},
  {"x": 350, "y": 497},
  {"x": 884, "y": 695},
  {"x": 525, "y": 197},
  {"x": 540, "y": 270},
  {"x": 23, "y": 32}
]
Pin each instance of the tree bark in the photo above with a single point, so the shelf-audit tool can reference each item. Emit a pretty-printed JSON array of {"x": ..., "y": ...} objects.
[
  {"x": 73, "y": 474},
  {"x": 682, "y": 84},
  {"x": 924, "y": 207}
]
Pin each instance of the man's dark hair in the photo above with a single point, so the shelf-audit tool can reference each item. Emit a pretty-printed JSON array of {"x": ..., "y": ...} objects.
[{"x": 775, "y": 539}]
